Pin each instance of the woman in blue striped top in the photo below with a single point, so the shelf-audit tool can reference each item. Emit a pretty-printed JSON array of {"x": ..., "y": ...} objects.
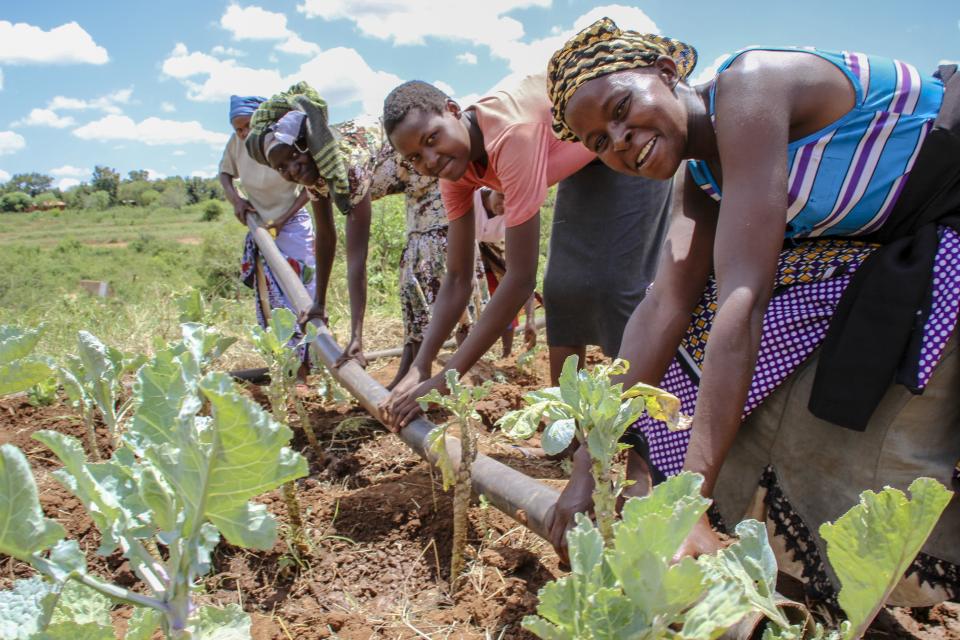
[{"x": 782, "y": 143}]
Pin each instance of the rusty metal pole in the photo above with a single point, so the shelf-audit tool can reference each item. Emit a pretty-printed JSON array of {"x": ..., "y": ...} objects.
[{"x": 517, "y": 495}]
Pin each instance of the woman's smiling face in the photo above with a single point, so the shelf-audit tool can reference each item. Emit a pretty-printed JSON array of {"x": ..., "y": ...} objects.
[
  {"x": 633, "y": 120},
  {"x": 436, "y": 144},
  {"x": 293, "y": 165}
]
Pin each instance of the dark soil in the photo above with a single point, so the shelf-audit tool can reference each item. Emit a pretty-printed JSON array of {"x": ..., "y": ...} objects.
[{"x": 379, "y": 530}]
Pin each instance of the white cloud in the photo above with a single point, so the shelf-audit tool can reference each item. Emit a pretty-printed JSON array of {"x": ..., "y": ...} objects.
[
  {"x": 705, "y": 74},
  {"x": 167, "y": 107},
  {"x": 69, "y": 171},
  {"x": 155, "y": 175},
  {"x": 340, "y": 75},
  {"x": 22, "y": 43},
  {"x": 152, "y": 131},
  {"x": 411, "y": 22},
  {"x": 443, "y": 86},
  {"x": 11, "y": 142},
  {"x": 256, "y": 23},
  {"x": 467, "y": 58},
  {"x": 220, "y": 50},
  {"x": 4, "y": 176},
  {"x": 45, "y": 118},
  {"x": 67, "y": 183},
  {"x": 109, "y": 103},
  {"x": 208, "y": 172},
  {"x": 298, "y": 46}
]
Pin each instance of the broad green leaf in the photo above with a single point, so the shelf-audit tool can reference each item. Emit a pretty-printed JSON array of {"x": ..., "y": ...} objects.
[
  {"x": 722, "y": 607},
  {"x": 227, "y": 623},
  {"x": 544, "y": 629},
  {"x": 585, "y": 546},
  {"x": 558, "y": 435},
  {"x": 191, "y": 306},
  {"x": 103, "y": 488},
  {"x": 24, "y": 608},
  {"x": 560, "y": 605},
  {"x": 570, "y": 382},
  {"x": 75, "y": 631},
  {"x": 143, "y": 623},
  {"x": 751, "y": 564},
  {"x": 23, "y": 528},
  {"x": 660, "y": 404},
  {"x": 65, "y": 559},
  {"x": 206, "y": 344},
  {"x": 609, "y": 614},
  {"x": 158, "y": 495},
  {"x": 166, "y": 399},
  {"x": 523, "y": 423},
  {"x": 219, "y": 467},
  {"x": 266, "y": 342},
  {"x": 79, "y": 604},
  {"x": 283, "y": 323},
  {"x": 100, "y": 375},
  {"x": 871, "y": 546},
  {"x": 22, "y": 374},
  {"x": 17, "y": 343}
]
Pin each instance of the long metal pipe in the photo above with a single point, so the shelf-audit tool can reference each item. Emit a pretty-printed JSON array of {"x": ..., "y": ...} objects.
[{"x": 517, "y": 495}]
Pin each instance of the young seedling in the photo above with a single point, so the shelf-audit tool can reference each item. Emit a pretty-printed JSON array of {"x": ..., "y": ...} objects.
[
  {"x": 92, "y": 382},
  {"x": 528, "y": 358},
  {"x": 460, "y": 403},
  {"x": 586, "y": 406},
  {"x": 279, "y": 344},
  {"x": 179, "y": 481}
]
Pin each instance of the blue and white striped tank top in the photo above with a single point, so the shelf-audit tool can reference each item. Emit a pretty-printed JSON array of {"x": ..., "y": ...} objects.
[{"x": 844, "y": 179}]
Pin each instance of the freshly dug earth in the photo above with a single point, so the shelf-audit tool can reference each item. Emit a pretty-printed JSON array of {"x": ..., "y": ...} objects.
[{"x": 379, "y": 529}]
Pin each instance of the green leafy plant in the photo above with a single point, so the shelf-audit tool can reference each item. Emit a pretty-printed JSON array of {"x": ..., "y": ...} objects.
[
  {"x": 588, "y": 407},
  {"x": 92, "y": 382},
  {"x": 20, "y": 369},
  {"x": 194, "y": 307},
  {"x": 43, "y": 394},
  {"x": 870, "y": 547},
  {"x": 179, "y": 481},
  {"x": 527, "y": 359},
  {"x": 632, "y": 589},
  {"x": 284, "y": 362},
  {"x": 460, "y": 403}
]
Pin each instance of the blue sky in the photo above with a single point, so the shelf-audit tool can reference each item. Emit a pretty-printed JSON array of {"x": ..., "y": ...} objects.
[{"x": 145, "y": 86}]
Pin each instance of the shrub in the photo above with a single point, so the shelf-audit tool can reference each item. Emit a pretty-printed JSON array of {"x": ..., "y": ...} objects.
[
  {"x": 211, "y": 211},
  {"x": 16, "y": 201},
  {"x": 97, "y": 201},
  {"x": 148, "y": 197}
]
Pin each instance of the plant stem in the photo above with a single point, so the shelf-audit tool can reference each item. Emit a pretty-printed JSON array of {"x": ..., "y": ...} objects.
[
  {"x": 604, "y": 500},
  {"x": 297, "y": 536},
  {"x": 306, "y": 425},
  {"x": 461, "y": 502},
  {"x": 91, "y": 433}
]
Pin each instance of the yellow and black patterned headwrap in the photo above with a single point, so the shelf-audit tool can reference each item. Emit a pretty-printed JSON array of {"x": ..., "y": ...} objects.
[{"x": 601, "y": 49}]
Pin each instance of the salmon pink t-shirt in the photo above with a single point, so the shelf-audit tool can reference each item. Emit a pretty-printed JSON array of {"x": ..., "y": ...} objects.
[{"x": 524, "y": 158}]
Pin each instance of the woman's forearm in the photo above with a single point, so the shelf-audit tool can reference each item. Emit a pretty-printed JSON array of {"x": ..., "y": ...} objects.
[
  {"x": 358, "y": 241},
  {"x": 298, "y": 204},
  {"x": 724, "y": 383},
  {"x": 229, "y": 190},
  {"x": 325, "y": 247}
]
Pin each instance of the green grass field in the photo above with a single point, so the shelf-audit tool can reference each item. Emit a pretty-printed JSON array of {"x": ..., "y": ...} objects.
[{"x": 151, "y": 255}]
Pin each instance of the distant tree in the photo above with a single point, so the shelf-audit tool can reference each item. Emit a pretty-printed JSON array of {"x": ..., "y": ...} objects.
[
  {"x": 148, "y": 197},
  {"x": 130, "y": 191},
  {"x": 97, "y": 201},
  {"x": 29, "y": 183},
  {"x": 174, "y": 196},
  {"x": 138, "y": 175},
  {"x": 15, "y": 201},
  {"x": 107, "y": 180}
]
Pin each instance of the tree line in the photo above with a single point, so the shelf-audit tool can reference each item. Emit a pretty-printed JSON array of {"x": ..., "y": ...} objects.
[{"x": 106, "y": 188}]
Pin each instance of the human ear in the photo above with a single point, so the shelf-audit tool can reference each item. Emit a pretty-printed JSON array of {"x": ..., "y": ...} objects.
[
  {"x": 667, "y": 70},
  {"x": 453, "y": 108}
]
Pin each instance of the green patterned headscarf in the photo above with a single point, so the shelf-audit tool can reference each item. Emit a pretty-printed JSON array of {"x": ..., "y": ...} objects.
[
  {"x": 601, "y": 49},
  {"x": 321, "y": 143}
]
